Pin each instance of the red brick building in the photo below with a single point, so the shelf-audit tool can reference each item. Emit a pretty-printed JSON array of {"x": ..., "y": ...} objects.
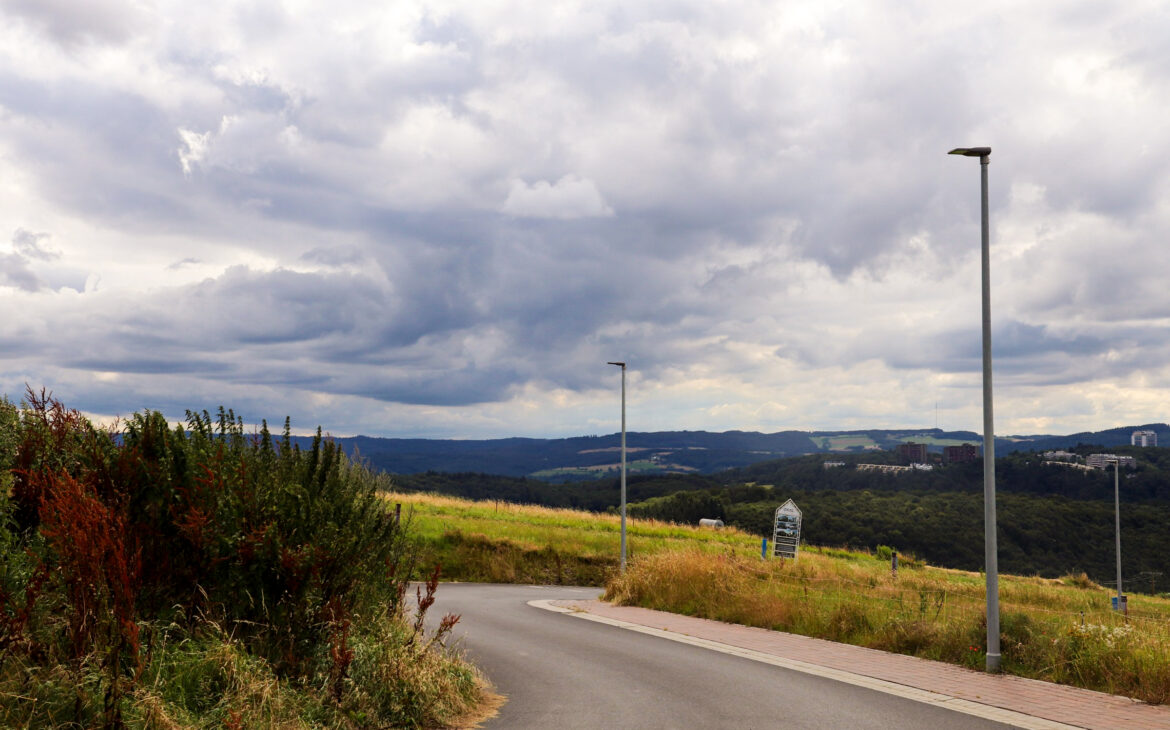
[
  {"x": 913, "y": 453},
  {"x": 957, "y": 454}
]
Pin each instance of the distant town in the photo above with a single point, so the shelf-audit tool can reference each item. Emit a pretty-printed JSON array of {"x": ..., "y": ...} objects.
[{"x": 917, "y": 457}]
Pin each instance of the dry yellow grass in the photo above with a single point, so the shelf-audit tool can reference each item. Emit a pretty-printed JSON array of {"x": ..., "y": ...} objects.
[{"x": 1050, "y": 629}]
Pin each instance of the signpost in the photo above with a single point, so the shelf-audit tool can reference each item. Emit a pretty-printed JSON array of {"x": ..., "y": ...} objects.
[{"x": 786, "y": 533}]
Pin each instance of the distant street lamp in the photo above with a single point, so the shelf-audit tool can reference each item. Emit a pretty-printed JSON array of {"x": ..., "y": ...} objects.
[
  {"x": 1117, "y": 528},
  {"x": 989, "y": 524},
  {"x": 622, "y": 365}
]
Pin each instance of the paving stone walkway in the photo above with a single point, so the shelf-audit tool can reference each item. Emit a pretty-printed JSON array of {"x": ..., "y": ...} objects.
[{"x": 1058, "y": 703}]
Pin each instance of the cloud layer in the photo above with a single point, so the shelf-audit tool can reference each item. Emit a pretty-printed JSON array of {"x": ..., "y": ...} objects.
[{"x": 442, "y": 219}]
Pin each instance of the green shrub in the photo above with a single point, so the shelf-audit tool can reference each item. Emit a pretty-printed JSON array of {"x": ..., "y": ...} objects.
[{"x": 114, "y": 544}]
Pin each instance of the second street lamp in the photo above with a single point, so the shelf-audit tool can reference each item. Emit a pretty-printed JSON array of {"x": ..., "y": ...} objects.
[
  {"x": 989, "y": 524},
  {"x": 1117, "y": 531},
  {"x": 622, "y": 365}
]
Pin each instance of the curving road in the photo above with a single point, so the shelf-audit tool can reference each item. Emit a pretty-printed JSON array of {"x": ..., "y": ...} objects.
[{"x": 557, "y": 671}]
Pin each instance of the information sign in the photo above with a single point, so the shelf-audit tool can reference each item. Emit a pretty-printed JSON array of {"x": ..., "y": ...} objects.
[{"x": 786, "y": 533}]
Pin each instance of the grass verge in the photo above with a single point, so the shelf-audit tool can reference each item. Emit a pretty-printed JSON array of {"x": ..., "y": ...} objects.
[{"x": 1055, "y": 630}]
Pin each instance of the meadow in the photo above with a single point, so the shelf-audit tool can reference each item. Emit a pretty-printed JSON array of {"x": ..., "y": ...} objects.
[
  {"x": 842, "y": 443},
  {"x": 590, "y": 472},
  {"x": 501, "y": 542},
  {"x": 1060, "y": 630}
]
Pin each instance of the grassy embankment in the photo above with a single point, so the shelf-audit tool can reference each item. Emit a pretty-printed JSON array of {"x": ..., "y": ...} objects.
[
  {"x": 1056, "y": 630},
  {"x": 498, "y": 542}
]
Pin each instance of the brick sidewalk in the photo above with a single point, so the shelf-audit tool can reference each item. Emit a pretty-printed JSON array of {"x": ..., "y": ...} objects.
[{"x": 1059, "y": 703}]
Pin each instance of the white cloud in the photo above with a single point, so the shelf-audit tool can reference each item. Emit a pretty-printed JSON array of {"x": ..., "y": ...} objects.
[
  {"x": 194, "y": 148},
  {"x": 567, "y": 198}
]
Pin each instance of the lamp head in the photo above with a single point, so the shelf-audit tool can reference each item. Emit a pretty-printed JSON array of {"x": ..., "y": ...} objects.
[
  {"x": 971, "y": 151},
  {"x": 619, "y": 364}
]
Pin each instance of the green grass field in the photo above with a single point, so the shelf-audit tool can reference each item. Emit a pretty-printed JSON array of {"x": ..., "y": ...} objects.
[
  {"x": 844, "y": 443},
  {"x": 593, "y": 472},
  {"x": 932, "y": 441},
  {"x": 502, "y": 542}
]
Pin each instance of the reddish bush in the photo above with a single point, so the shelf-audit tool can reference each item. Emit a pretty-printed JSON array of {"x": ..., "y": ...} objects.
[{"x": 96, "y": 561}]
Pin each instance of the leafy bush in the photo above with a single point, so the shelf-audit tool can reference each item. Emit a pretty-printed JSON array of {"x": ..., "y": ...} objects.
[{"x": 116, "y": 543}]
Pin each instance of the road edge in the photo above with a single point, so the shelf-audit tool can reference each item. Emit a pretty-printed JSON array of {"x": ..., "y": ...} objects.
[{"x": 967, "y": 707}]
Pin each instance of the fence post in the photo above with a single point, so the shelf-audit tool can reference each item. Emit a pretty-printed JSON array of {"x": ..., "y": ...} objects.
[
  {"x": 894, "y": 564},
  {"x": 764, "y": 549}
]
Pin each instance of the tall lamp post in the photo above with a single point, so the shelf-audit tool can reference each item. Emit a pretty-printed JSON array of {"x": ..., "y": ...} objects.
[
  {"x": 989, "y": 525},
  {"x": 1117, "y": 529},
  {"x": 622, "y": 365}
]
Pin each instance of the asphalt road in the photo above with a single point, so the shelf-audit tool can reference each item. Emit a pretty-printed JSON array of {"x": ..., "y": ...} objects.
[{"x": 557, "y": 671}]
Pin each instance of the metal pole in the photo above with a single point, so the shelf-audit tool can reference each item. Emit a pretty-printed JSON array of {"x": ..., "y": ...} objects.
[
  {"x": 1117, "y": 525},
  {"x": 622, "y": 365},
  {"x": 623, "y": 467},
  {"x": 991, "y": 553}
]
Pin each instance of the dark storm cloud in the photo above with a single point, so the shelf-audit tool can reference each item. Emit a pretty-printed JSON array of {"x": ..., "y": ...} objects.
[
  {"x": 125, "y": 142},
  {"x": 1031, "y": 354}
]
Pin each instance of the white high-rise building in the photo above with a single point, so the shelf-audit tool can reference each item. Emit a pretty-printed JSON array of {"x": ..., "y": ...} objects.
[{"x": 1143, "y": 438}]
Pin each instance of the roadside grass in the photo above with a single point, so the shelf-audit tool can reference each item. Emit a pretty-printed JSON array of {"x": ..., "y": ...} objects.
[
  {"x": 1059, "y": 630},
  {"x": 499, "y": 542}
]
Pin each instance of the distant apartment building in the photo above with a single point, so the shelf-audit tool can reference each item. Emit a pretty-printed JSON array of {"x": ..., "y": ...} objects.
[
  {"x": 1059, "y": 456},
  {"x": 959, "y": 454},
  {"x": 1101, "y": 461},
  {"x": 912, "y": 452},
  {"x": 833, "y": 464},
  {"x": 1143, "y": 438}
]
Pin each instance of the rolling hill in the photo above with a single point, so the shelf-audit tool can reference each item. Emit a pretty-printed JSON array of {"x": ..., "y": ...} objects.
[{"x": 701, "y": 452}]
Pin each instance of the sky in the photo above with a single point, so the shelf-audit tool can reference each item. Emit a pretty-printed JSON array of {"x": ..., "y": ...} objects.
[{"x": 441, "y": 219}]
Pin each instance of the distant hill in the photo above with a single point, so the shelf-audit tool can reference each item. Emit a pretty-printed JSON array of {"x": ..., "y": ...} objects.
[{"x": 661, "y": 452}]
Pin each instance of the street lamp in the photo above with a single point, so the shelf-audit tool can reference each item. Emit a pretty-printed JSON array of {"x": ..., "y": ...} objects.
[
  {"x": 622, "y": 365},
  {"x": 1117, "y": 529},
  {"x": 989, "y": 525}
]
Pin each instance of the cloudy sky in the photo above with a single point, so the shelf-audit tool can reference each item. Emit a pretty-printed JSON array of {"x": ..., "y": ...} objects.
[{"x": 441, "y": 219}]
